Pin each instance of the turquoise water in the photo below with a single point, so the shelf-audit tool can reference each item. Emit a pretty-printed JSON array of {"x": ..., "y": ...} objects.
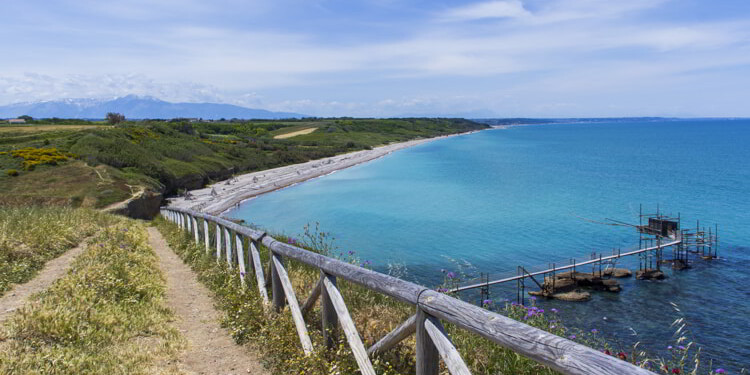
[{"x": 494, "y": 200}]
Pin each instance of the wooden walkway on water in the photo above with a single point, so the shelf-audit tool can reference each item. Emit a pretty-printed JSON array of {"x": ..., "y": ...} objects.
[{"x": 573, "y": 266}]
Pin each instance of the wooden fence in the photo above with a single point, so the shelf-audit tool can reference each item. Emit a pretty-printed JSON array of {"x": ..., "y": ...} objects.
[{"x": 431, "y": 307}]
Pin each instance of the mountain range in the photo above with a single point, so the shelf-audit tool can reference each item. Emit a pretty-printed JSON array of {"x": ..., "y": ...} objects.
[{"x": 137, "y": 107}]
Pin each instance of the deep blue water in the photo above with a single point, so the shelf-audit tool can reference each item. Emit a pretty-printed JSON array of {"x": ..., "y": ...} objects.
[{"x": 494, "y": 200}]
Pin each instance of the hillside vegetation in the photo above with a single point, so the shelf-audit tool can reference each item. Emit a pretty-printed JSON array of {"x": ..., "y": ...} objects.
[{"x": 96, "y": 166}]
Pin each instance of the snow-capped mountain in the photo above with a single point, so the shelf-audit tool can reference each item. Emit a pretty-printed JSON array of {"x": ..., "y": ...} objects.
[{"x": 136, "y": 107}]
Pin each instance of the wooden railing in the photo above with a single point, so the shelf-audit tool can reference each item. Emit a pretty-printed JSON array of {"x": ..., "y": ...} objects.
[{"x": 431, "y": 306}]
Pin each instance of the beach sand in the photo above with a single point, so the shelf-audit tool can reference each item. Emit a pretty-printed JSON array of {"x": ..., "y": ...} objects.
[{"x": 217, "y": 198}]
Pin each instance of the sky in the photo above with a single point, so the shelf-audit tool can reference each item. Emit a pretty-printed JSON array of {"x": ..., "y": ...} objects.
[{"x": 384, "y": 58}]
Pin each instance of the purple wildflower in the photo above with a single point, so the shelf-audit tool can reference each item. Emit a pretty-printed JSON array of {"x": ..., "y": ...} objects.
[
  {"x": 552, "y": 327},
  {"x": 242, "y": 274},
  {"x": 594, "y": 331},
  {"x": 487, "y": 302},
  {"x": 541, "y": 311},
  {"x": 451, "y": 275},
  {"x": 533, "y": 298},
  {"x": 720, "y": 371},
  {"x": 442, "y": 290},
  {"x": 572, "y": 337},
  {"x": 681, "y": 347},
  {"x": 554, "y": 310},
  {"x": 669, "y": 347}
]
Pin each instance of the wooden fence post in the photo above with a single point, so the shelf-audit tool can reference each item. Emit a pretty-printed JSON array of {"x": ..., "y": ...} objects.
[
  {"x": 328, "y": 314},
  {"x": 276, "y": 287},
  {"x": 428, "y": 357},
  {"x": 228, "y": 240},
  {"x": 218, "y": 242},
  {"x": 240, "y": 257},
  {"x": 205, "y": 234},
  {"x": 196, "y": 231}
]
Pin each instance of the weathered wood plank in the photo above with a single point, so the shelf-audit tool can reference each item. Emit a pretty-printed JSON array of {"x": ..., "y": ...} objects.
[
  {"x": 448, "y": 352},
  {"x": 240, "y": 257},
  {"x": 196, "y": 232},
  {"x": 218, "y": 242},
  {"x": 277, "y": 289},
  {"x": 258, "y": 268},
  {"x": 394, "y": 337},
  {"x": 556, "y": 352},
  {"x": 328, "y": 313},
  {"x": 314, "y": 295},
  {"x": 205, "y": 234},
  {"x": 388, "y": 285},
  {"x": 428, "y": 357},
  {"x": 299, "y": 321},
  {"x": 350, "y": 330},
  {"x": 228, "y": 240}
]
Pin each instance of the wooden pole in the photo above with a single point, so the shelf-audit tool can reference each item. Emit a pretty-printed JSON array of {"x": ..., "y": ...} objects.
[
  {"x": 276, "y": 287},
  {"x": 428, "y": 357},
  {"x": 205, "y": 234},
  {"x": 328, "y": 314},
  {"x": 218, "y": 242}
]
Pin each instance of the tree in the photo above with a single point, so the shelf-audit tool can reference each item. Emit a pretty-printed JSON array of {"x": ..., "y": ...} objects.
[
  {"x": 115, "y": 118},
  {"x": 26, "y": 117}
]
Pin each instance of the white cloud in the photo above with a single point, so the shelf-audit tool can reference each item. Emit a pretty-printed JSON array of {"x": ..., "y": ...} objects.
[{"x": 489, "y": 9}]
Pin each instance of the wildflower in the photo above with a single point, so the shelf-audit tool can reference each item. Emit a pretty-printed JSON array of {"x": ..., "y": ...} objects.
[
  {"x": 681, "y": 347},
  {"x": 669, "y": 347},
  {"x": 242, "y": 274},
  {"x": 554, "y": 310},
  {"x": 665, "y": 368},
  {"x": 572, "y": 337},
  {"x": 594, "y": 331},
  {"x": 622, "y": 356},
  {"x": 552, "y": 327},
  {"x": 607, "y": 352},
  {"x": 451, "y": 275},
  {"x": 675, "y": 371},
  {"x": 533, "y": 298},
  {"x": 487, "y": 302},
  {"x": 720, "y": 371},
  {"x": 291, "y": 241},
  {"x": 442, "y": 290},
  {"x": 351, "y": 252}
]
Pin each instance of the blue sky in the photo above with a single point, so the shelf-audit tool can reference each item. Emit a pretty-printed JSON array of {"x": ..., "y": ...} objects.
[{"x": 533, "y": 58}]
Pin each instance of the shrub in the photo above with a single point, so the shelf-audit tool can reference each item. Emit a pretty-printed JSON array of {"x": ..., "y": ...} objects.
[{"x": 12, "y": 172}]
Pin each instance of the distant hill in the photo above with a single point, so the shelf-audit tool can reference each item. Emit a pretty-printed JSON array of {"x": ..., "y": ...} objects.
[{"x": 137, "y": 107}]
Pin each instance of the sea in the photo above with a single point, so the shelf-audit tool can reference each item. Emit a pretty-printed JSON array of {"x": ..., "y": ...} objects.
[{"x": 484, "y": 204}]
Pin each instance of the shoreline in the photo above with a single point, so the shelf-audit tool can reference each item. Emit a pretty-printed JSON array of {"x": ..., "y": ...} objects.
[{"x": 220, "y": 197}]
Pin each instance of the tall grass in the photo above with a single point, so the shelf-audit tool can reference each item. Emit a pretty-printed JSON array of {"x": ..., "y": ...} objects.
[
  {"x": 107, "y": 315},
  {"x": 30, "y": 236}
]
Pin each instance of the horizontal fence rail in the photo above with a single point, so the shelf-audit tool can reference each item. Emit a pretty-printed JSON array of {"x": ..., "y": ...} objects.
[{"x": 431, "y": 307}]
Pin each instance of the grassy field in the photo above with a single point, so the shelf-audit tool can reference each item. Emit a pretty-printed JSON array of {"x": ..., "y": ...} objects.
[
  {"x": 106, "y": 316},
  {"x": 45, "y": 128},
  {"x": 31, "y": 236},
  {"x": 93, "y": 166}
]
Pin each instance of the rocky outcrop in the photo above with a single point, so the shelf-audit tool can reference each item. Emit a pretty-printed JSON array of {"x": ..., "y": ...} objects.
[{"x": 144, "y": 205}]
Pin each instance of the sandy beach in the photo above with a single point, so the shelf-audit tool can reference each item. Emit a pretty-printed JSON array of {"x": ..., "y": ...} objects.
[{"x": 217, "y": 198}]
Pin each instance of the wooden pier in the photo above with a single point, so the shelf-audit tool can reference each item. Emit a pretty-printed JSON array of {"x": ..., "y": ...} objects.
[{"x": 657, "y": 232}]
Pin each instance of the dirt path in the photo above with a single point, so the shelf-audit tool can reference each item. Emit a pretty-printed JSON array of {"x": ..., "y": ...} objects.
[
  {"x": 53, "y": 270},
  {"x": 211, "y": 349}
]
